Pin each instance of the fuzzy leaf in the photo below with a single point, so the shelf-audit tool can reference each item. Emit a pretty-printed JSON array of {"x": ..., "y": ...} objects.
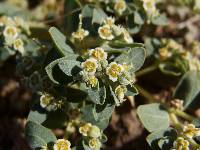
[
  {"x": 98, "y": 16},
  {"x": 188, "y": 88},
  {"x": 153, "y": 116},
  {"x": 97, "y": 95},
  {"x": 38, "y": 136},
  {"x": 155, "y": 139},
  {"x": 160, "y": 20},
  {"x": 69, "y": 67},
  {"x": 60, "y": 41},
  {"x": 37, "y": 114},
  {"x": 135, "y": 57}
]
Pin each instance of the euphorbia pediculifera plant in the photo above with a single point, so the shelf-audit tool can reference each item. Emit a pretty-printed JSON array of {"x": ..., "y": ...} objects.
[
  {"x": 86, "y": 87},
  {"x": 91, "y": 71}
]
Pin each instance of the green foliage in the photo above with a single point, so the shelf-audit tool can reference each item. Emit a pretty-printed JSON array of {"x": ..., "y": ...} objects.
[
  {"x": 38, "y": 136},
  {"x": 153, "y": 116},
  {"x": 162, "y": 139},
  {"x": 188, "y": 89},
  {"x": 60, "y": 42}
]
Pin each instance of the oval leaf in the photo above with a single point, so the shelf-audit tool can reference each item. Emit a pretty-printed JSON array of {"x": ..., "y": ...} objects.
[{"x": 153, "y": 117}]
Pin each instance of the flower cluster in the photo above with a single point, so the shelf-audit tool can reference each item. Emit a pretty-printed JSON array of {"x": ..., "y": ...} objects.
[
  {"x": 97, "y": 67},
  {"x": 62, "y": 144},
  {"x": 108, "y": 31},
  {"x": 150, "y": 8},
  {"x": 93, "y": 135},
  {"x": 191, "y": 131},
  {"x": 180, "y": 144},
  {"x": 173, "y": 49},
  {"x": 80, "y": 34},
  {"x": 12, "y": 30},
  {"x": 48, "y": 101},
  {"x": 120, "y": 6}
]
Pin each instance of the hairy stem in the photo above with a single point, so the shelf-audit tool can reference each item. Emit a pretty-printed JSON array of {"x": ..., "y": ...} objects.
[
  {"x": 146, "y": 70},
  {"x": 146, "y": 94}
]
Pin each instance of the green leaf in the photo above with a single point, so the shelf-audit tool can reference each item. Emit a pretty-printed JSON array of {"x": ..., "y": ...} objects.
[
  {"x": 131, "y": 91},
  {"x": 153, "y": 116},
  {"x": 37, "y": 114},
  {"x": 160, "y": 20},
  {"x": 139, "y": 18},
  {"x": 102, "y": 112},
  {"x": 135, "y": 57},
  {"x": 98, "y": 16},
  {"x": 50, "y": 67},
  {"x": 156, "y": 139},
  {"x": 69, "y": 66},
  {"x": 60, "y": 41},
  {"x": 132, "y": 26},
  {"x": 87, "y": 11},
  {"x": 151, "y": 45},
  {"x": 97, "y": 95},
  {"x": 188, "y": 89},
  {"x": 88, "y": 116},
  {"x": 38, "y": 136},
  {"x": 117, "y": 101}
]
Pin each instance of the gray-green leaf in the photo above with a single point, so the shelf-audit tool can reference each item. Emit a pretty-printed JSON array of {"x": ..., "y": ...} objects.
[
  {"x": 38, "y": 136},
  {"x": 188, "y": 88},
  {"x": 60, "y": 41},
  {"x": 153, "y": 116}
]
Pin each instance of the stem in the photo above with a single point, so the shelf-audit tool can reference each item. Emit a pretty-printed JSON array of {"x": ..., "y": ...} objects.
[
  {"x": 184, "y": 115},
  {"x": 146, "y": 70},
  {"x": 175, "y": 122},
  {"x": 193, "y": 144},
  {"x": 146, "y": 94}
]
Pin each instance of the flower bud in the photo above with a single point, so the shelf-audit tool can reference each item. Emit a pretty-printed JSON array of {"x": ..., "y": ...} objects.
[{"x": 94, "y": 132}]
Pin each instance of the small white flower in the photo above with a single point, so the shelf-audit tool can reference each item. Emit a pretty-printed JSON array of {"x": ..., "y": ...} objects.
[
  {"x": 10, "y": 31},
  {"x": 194, "y": 64},
  {"x": 105, "y": 32},
  {"x": 45, "y": 100},
  {"x": 181, "y": 144},
  {"x": 80, "y": 34},
  {"x": 120, "y": 91},
  {"x": 150, "y": 7},
  {"x": 84, "y": 130},
  {"x": 98, "y": 53},
  {"x": 62, "y": 144},
  {"x": 117, "y": 29},
  {"x": 120, "y": 6},
  {"x": 19, "y": 45},
  {"x": 92, "y": 81},
  {"x": 127, "y": 36},
  {"x": 109, "y": 21},
  {"x": 94, "y": 144},
  {"x": 90, "y": 66},
  {"x": 114, "y": 70},
  {"x": 191, "y": 131}
]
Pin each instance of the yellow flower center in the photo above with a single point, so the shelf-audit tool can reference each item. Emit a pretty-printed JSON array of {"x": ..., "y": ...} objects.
[
  {"x": 85, "y": 129},
  {"x": 105, "y": 31},
  {"x": 120, "y": 5},
  {"x": 10, "y": 31},
  {"x": 89, "y": 66},
  {"x": 98, "y": 54},
  {"x": 93, "y": 143},
  {"x": 114, "y": 70},
  {"x": 62, "y": 145},
  {"x": 92, "y": 81},
  {"x": 18, "y": 44}
]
